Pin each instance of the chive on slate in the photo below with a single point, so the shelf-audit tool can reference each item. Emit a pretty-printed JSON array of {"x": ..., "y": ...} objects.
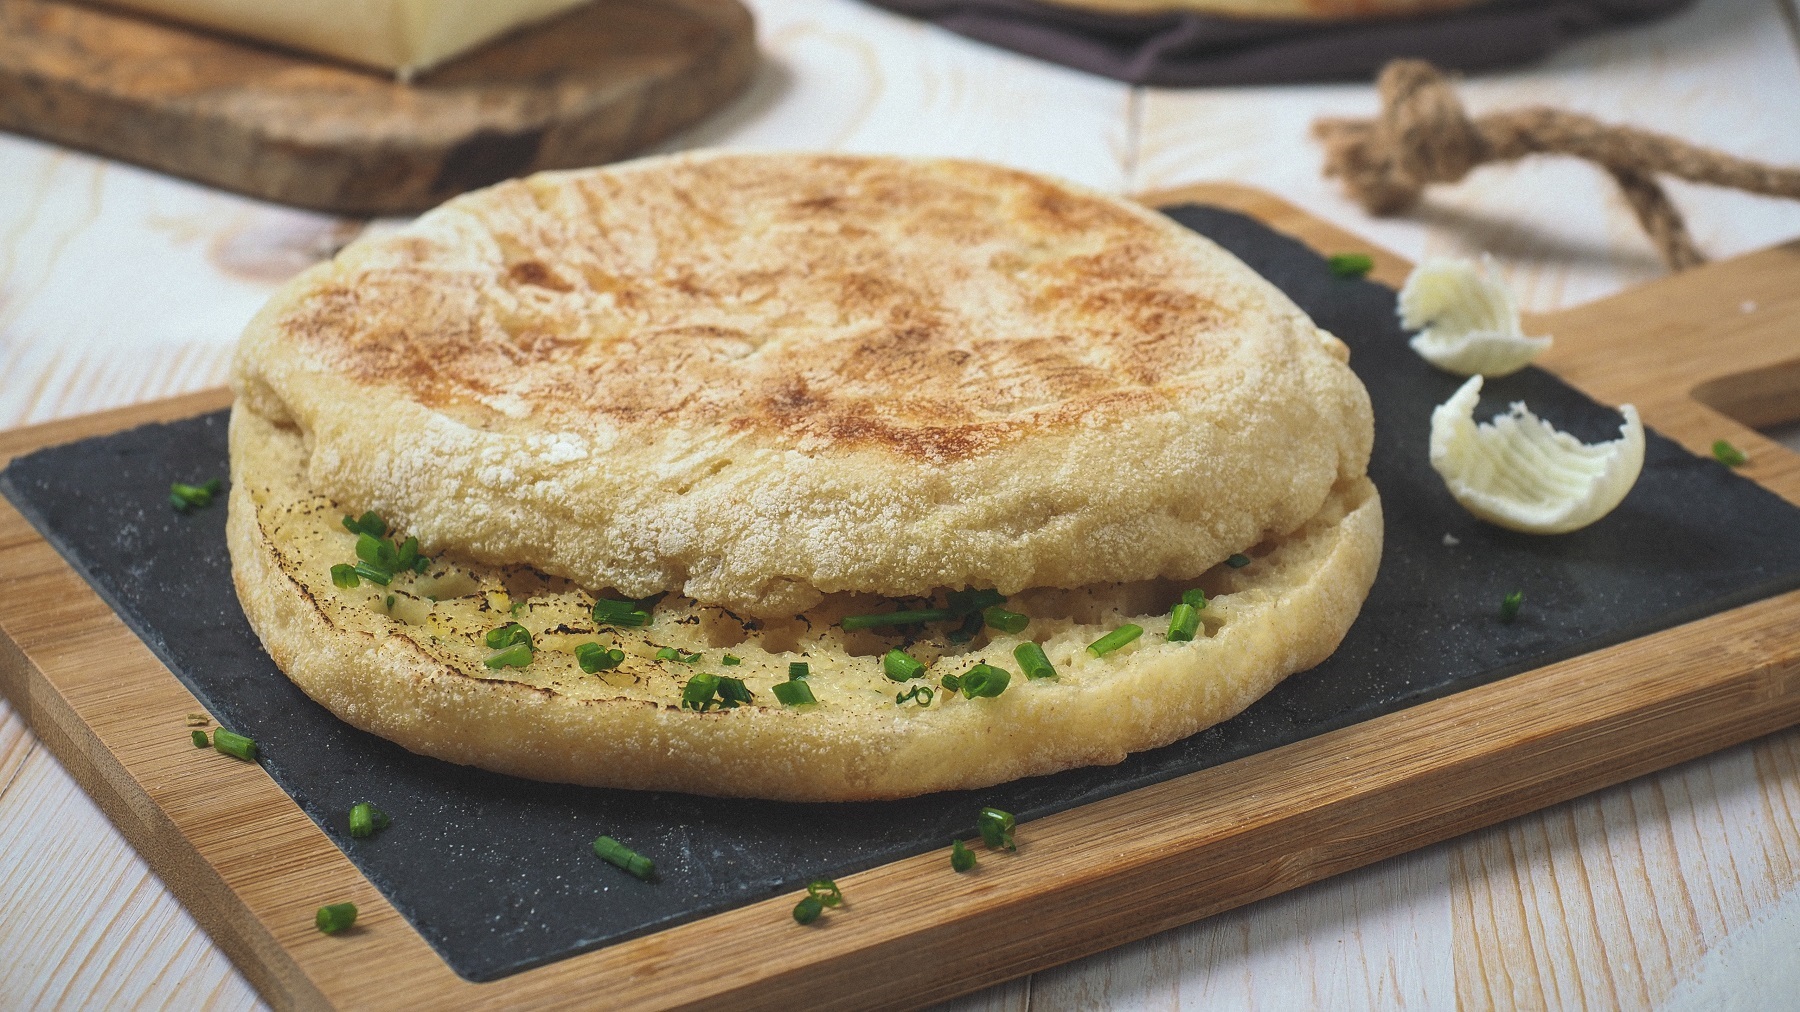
[
  {"x": 187, "y": 497},
  {"x": 1509, "y": 606},
  {"x": 1351, "y": 265},
  {"x": 615, "y": 853},
  {"x": 366, "y": 820}
]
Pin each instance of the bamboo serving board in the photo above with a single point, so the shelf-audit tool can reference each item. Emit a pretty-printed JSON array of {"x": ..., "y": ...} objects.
[
  {"x": 602, "y": 82},
  {"x": 250, "y": 865}
]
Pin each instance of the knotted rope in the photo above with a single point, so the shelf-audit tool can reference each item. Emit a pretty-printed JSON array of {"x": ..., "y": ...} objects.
[{"x": 1423, "y": 136}]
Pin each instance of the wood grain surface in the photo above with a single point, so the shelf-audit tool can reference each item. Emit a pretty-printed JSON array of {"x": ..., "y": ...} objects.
[
  {"x": 600, "y": 83},
  {"x": 252, "y": 867},
  {"x": 119, "y": 286}
]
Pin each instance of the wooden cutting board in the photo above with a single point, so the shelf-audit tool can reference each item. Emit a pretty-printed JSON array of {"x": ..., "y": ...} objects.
[
  {"x": 250, "y": 865},
  {"x": 598, "y": 84}
]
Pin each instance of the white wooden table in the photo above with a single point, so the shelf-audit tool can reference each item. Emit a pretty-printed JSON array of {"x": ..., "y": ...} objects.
[{"x": 118, "y": 285}]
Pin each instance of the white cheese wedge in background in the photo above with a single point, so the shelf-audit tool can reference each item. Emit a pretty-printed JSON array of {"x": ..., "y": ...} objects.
[
  {"x": 1519, "y": 472},
  {"x": 402, "y": 36},
  {"x": 1468, "y": 321}
]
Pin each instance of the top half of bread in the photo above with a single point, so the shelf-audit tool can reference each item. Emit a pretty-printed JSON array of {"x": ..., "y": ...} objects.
[{"x": 753, "y": 379}]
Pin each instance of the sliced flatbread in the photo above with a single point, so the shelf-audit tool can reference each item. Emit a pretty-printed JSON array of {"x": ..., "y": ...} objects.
[
  {"x": 395, "y": 662},
  {"x": 755, "y": 380}
]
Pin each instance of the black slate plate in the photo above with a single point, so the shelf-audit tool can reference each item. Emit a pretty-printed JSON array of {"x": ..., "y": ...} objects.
[{"x": 497, "y": 873}]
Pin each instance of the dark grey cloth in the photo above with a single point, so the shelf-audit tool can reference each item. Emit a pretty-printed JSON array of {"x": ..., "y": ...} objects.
[{"x": 1197, "y": 49}]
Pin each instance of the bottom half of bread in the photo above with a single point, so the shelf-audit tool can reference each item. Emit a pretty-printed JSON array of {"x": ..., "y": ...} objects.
[{"x": 406, "y": 660}]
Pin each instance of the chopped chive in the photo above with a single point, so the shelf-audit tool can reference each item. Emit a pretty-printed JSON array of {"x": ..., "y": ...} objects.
[
  {"x": 1509, "y": 605},
  {"x": 920, "y": 694},
  {"x": 514, "y": 610},
  {"x": 366, "y": 820},
  {"x": 672, "y": 654},
  {"x": 1033, "y": 662},
  {"x": 516, "y": 656},
  {"x": 624, "y": 613},
  {"x": 234, "y": 745},
  {"x": 951, "y": 683},
  {"x": 799, "y": 669},
  {"x": 615, "y": 853},
  {"x": 1115, "y": 639},
  {"x": 200, "y": 740},
  {"x": 344, "y": 576},
  {"x": 335, "y": 917},
  {"x": 808, "y": 910},
  {"x": 408, "y": 557},
  {"x": 972, "y": 624},
  {"x": 961, "y": 857},
  {"x": 996, "y": 829},
  {"x": 1005, "y": 621},
  {"x": 732, "y": 692},
  {"x": 1184, "y": 621},
  {"x": 509, "y": 634},
  {"x": 1195, "y": 597},
  {"x": 369, "y": 523},
  {"x": 372, "y": 574},
  {"x": 900, "y": 666},
  {"x": 390, "y": 604},
  {"x": 698, "y": 693},
  {"x": 1351, "y": 265},
  {"x": 1238, "y": 560},
  {"x": 730, "y": 661},
  {"x": 185, "y": 497},
  {"x": 376, "y": 552},
  {"x": 793, "y": 693},
  {"x": 593, "y": 657},
  {"x": 962, "y": 602},
  {"x": 985, "y": 680},
  {"x": 1729, "y": 455},
  {"x": 825, "y": 891},
  {"x": 913, "y": 617}
]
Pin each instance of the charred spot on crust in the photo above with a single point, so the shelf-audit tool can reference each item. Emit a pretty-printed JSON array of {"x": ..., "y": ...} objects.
[{"x": 531, "y": 272}]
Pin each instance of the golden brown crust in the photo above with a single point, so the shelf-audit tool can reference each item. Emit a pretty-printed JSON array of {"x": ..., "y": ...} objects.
[
  {"x": 759, "y": 379},
  {"x": 411, "y": 670}
]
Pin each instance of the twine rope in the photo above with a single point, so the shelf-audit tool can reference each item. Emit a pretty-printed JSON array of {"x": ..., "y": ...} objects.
[{"x": 1424, "y": 136}]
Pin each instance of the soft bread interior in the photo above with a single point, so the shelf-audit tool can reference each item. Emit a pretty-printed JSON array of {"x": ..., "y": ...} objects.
[{"x": 405, "y": 661}]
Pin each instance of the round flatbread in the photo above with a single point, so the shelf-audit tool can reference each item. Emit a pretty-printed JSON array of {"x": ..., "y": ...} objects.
[
  {"x": 407, "y": 660},
  {"x": 756, "y": 380}
]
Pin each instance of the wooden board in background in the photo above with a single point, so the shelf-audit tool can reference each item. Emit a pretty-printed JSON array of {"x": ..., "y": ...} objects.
[
  {"x": 598, "y": 84},
  {"x": 251, "y": 867}
]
